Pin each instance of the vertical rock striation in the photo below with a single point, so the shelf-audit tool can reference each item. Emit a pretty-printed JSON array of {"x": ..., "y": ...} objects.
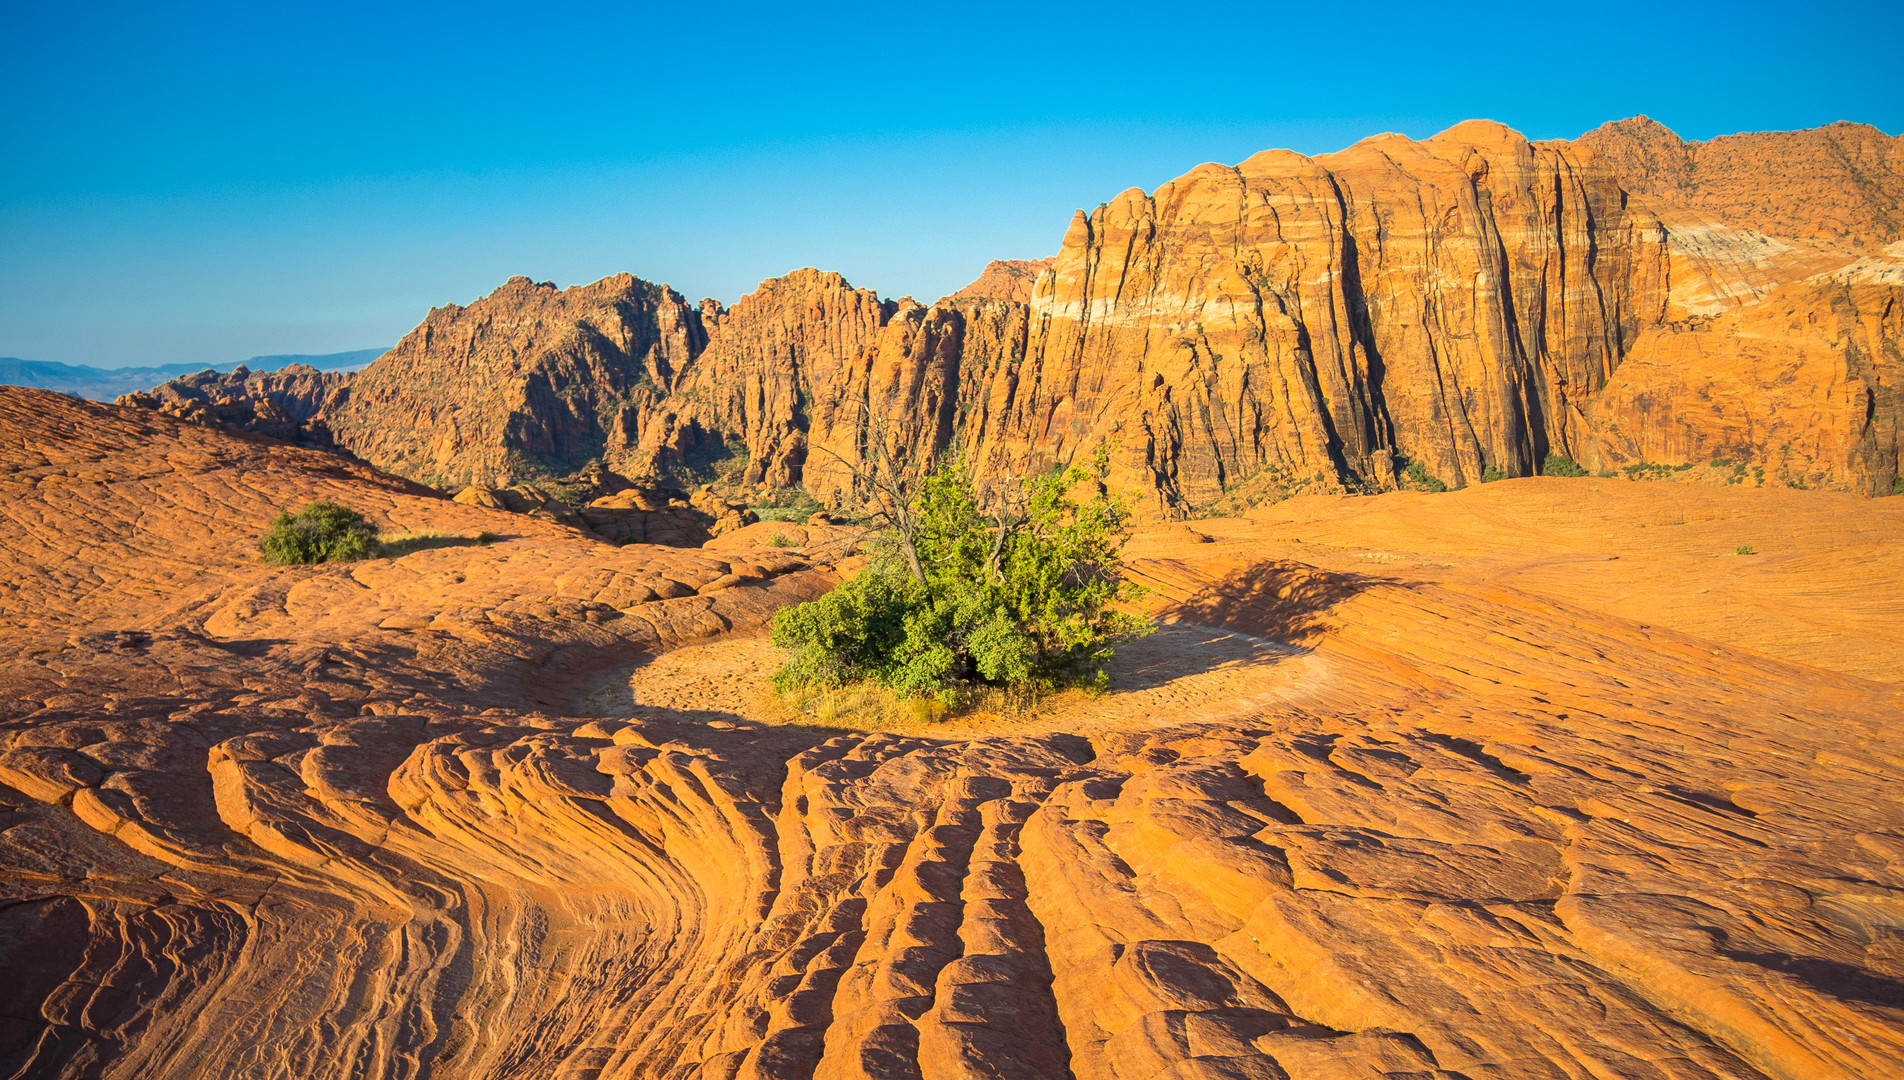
[{"x": 1473, "y": 302}]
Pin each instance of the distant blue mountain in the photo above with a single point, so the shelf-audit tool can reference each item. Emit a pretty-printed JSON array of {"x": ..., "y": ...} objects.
[{"x": 104, "y": 384}]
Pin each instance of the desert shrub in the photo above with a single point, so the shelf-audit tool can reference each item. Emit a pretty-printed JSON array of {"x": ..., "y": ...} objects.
[
  {"x": 1417, "y": 476},
  {"x": 1897, "y": 485},
  {"x": 1560, "y": 465},
  {"x": 1489, "y": 474},
  {"x": 486, "y": 538},
  {"x": 1745, "y": 549},
  {"x": 1648, "y": 470},
  {"x": 786, "y": 504},
  {"x": 1021, "y": 593},
  {"x": 321, "y": 532},
  {"x": 779, "y": 540},
  {"x": 573, "y": 496}
]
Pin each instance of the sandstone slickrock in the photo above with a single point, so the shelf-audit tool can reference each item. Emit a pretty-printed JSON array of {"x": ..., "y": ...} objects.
[{"x": 400, "y": 818}]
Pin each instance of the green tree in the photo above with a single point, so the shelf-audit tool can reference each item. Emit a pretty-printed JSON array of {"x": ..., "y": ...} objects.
[
  {"x": 321, "y": 532},
  {"x": 1007, "y": 583}
]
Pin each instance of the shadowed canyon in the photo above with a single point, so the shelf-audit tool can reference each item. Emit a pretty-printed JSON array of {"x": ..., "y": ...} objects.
[{"x": 1536, "y": 776}]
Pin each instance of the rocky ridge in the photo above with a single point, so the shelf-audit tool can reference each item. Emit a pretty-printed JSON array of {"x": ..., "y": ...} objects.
[
  {"x": 288, "y": 404},
  {"x": 1010, "y": 280},
  {"x": 1472, "y": 302}
]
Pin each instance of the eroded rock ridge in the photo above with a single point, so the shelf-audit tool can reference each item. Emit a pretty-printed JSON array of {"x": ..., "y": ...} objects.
[{"x": 1473, "y": 302}]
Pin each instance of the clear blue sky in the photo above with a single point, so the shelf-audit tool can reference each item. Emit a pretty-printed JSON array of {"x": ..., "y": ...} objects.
[{"x": 210, "y": 181}]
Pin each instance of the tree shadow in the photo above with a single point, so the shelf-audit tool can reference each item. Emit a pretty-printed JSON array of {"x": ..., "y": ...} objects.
[
  {"x": 1829, "y": 977},
  {"x": 1177, "y": 649},
  {"x": 1286, "y": 601},
  {"x": 396, "y": 547}
]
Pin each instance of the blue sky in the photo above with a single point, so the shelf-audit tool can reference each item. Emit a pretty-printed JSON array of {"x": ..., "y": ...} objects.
[{"x": 207, "y": 182}]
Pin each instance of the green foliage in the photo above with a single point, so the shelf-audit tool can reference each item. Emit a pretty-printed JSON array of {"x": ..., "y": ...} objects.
[
  {"x": 1560, "y": 465},
  {"x": 779, "y": 540},
  {"x": 708, "y": 461},
  {"x": 1745, "y": 549},
  {"x": 1489, "y": 474},
  {"x": 1647, "y": 470},
  {"x": 1416, "y": 475},
  {"x": 1897, "y": 485},
  {"x": 321, "y": 532},
  {"x": 1004, "y": 596},
  {"x": 786, "y": 504},
  {"x": 573, "y": 496}
]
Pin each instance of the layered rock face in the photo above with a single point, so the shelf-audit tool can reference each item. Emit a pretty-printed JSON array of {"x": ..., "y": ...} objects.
[
  {"x": 411, "y": 818},
  {"x": 1473, "y": 302},
  {"x": 1465, "y": 301},
  {"x": 528, "y": 381}
]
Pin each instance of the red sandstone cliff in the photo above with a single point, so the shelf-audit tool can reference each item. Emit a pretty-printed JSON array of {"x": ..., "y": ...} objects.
[
  {"x": 529, "y": 380},
  {"x": 1473, "y": 301}
]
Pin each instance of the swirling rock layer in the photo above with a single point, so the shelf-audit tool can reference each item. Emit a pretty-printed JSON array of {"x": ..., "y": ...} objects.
[{"x": 1500, "y": 807}]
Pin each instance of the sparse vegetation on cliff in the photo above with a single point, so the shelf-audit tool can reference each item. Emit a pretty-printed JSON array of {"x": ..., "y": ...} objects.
[
  {"x": 786, "y": 504},
  {"x": 1016, "y": 585},
  {"x": 1416, "y": 477},
  {"x": 321, "y": 532},
  {"x": 1561, "y": 465}
]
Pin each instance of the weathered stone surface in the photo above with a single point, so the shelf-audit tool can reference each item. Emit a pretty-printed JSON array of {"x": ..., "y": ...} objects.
[
  {"x": 1473, "y": 302},
  {"x": 1009, "y": 280},
  {"x": 1514, "y": 791},
  {"x": 287, "y": 404},
  {"x": 529, "y": 381},
  {"x": 1840, "y": 184}
]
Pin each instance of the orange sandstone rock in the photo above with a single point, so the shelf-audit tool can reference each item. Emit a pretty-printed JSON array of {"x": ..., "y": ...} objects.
[{"x": 1493, "y": 805}]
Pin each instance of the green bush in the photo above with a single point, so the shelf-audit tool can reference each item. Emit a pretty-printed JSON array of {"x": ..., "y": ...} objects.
[
  {"x": 1489, "y": 474},
  {"x": 1745, "y": 549},
  {"x": 779, "y": 540},
  {"x": 1559, "y": 465},
  {"x": 786, "y": 504},
  {"x": 1018, "y": 596},
  {"x": 321, "y": 532},
  {"x": 1897, "y": 485},
  {"x": 1416, "y": 475}
]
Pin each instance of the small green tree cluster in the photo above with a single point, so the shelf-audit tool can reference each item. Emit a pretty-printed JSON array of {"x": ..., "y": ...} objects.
[
  {"x": 321, "y": 532},
  {"x": 1561, "y": 465},
  {"x": 1021, "y": 592},
  {"x": 1416, "y": 475}
]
